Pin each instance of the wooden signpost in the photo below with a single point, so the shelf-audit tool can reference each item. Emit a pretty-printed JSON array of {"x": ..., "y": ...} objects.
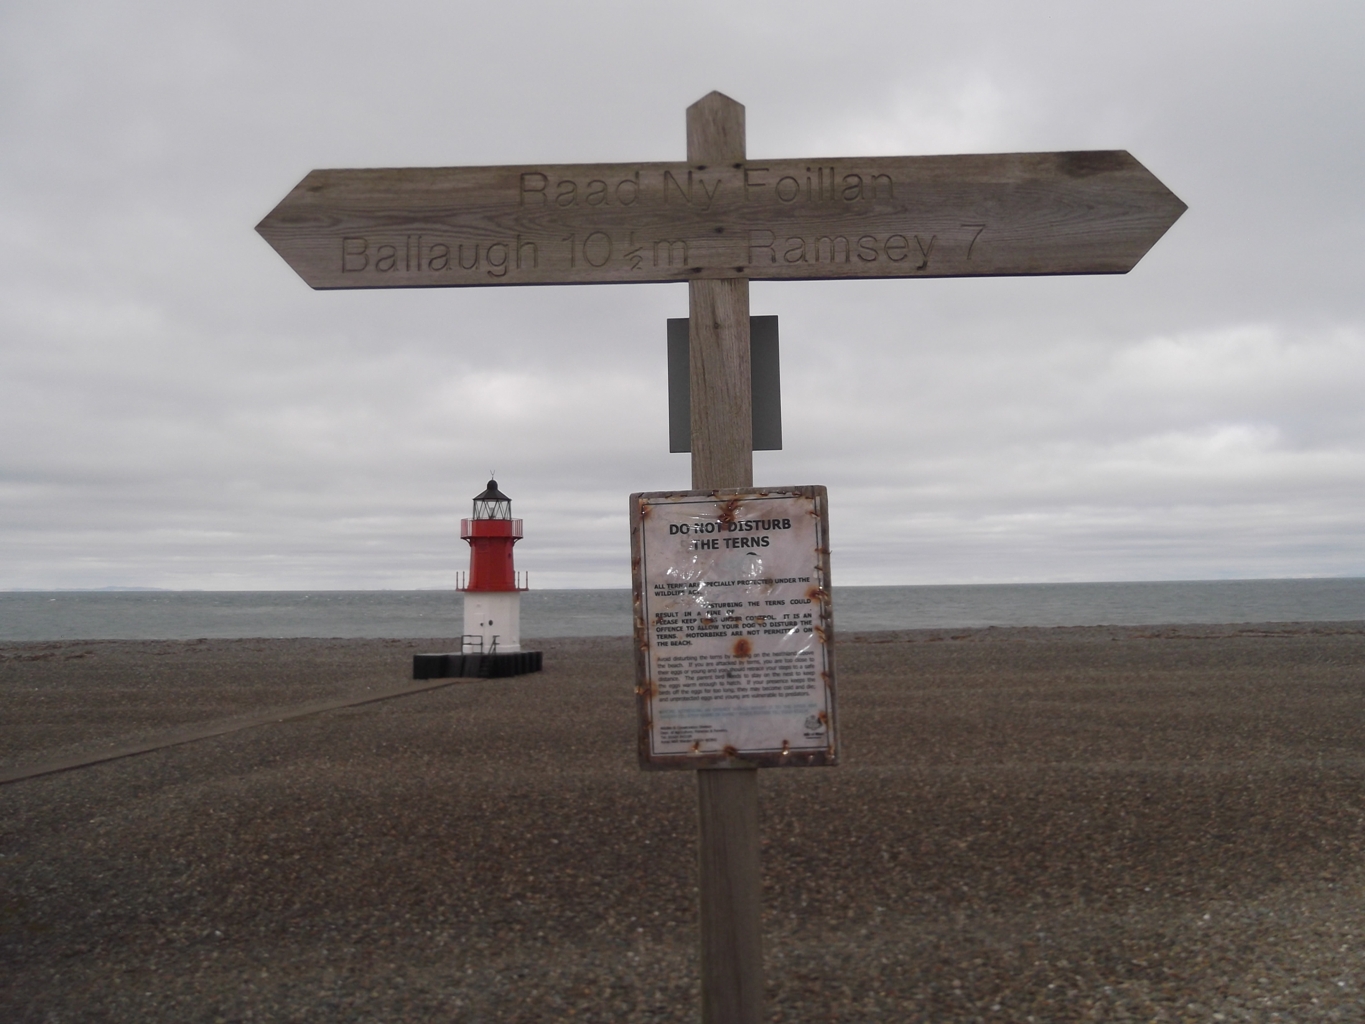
[{"x": 718, "y": 221}]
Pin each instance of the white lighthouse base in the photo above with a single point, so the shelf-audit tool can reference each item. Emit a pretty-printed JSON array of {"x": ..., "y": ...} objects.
[{"x": 492, "y": 617}]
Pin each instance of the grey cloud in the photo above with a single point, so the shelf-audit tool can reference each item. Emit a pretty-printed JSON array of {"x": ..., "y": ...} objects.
[{"x": 178, "y": 409}]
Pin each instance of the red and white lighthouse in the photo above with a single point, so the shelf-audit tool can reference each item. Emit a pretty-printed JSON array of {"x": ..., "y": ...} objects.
[{"x": 492, "y": 591}]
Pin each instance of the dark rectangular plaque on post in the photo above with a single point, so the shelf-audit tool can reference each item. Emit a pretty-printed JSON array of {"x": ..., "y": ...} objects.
[{"x": 765, "y": 385}]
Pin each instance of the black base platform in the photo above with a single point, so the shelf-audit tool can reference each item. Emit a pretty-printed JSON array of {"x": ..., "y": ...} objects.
[{"x": 475, "y": 666}]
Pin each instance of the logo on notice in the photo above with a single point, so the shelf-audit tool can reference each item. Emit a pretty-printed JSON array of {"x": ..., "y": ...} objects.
[{"x": 813, "y": 723}]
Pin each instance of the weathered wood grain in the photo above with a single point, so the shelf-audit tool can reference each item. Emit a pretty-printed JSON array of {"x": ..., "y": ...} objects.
[
  {"x": 1095, "y": 212},
  {"x": 731, "y": 891},
  {"x": 721, "y": 389},
  {"x": 731, "y": 897}
]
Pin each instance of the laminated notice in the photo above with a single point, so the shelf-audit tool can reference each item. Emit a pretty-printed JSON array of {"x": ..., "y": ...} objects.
[{"x": 734, "y": 634}]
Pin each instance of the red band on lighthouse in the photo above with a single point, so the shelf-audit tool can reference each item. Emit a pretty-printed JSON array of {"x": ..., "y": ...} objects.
[{"x": 490, "y": 556}]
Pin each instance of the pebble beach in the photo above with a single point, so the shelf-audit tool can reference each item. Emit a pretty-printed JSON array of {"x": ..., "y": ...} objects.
[{"x": 1027, "y": 825}]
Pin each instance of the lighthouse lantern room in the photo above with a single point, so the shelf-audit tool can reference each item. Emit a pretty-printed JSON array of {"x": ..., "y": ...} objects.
[{"x": 492, "y": 590}]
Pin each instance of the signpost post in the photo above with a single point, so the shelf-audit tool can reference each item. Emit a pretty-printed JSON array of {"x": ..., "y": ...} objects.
[
  {"x": 723, "y": 457},
  {"x": 718, "y": 221}
]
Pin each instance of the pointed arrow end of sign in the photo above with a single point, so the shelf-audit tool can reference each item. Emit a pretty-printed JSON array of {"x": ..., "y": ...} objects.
[
  {"x": 1151, "y": 207},
  {"x": 1170, "y": 205},
  {"x": 1175, "y": 206},
  {"x": 287, "y": 220}
]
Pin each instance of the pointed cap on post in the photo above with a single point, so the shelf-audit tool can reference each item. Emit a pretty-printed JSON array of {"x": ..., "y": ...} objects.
[{"x": 715, "y": 130}]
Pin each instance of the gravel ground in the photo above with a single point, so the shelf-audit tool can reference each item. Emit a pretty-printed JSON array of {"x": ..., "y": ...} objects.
[{"x": 1029, "y": 825}]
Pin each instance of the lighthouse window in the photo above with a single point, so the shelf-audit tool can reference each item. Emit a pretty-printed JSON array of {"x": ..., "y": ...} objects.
[
  {"x": 492, "y": 510},
  {"x": 492, "y": 503}
]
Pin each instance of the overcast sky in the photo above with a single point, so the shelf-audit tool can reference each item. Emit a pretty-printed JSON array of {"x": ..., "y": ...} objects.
[{"x": 178, "y": 409}]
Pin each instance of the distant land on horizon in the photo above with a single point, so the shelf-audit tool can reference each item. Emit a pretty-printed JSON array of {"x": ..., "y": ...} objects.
[
  {"x": 437, "y": 590},
  {"x": 94, "y": 590}
]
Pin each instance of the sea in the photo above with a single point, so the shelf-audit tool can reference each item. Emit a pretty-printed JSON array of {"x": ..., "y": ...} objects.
[{"x": 190, "y": 614}]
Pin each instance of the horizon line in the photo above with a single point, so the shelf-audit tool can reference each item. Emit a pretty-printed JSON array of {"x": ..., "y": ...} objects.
[{"x": 626, "y": 589}]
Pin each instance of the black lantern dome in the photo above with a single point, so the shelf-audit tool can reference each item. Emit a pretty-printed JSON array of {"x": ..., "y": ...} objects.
[{"x": 492, "y": 503}]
